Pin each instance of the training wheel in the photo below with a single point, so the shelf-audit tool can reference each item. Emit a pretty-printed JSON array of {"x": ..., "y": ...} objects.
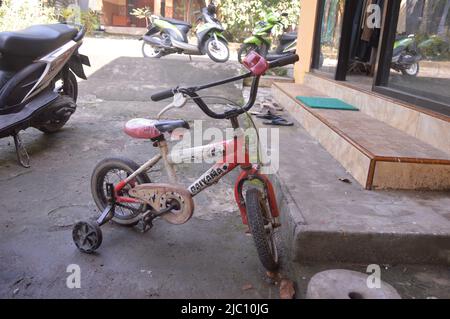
[{"x": 87, "y": 236}]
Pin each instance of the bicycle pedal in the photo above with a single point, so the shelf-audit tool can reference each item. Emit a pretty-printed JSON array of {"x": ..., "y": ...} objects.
[{"x": 146, "y": 226}]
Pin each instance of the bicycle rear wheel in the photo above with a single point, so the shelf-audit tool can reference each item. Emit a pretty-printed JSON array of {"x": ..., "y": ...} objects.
[{"x": 113, "y": 170}]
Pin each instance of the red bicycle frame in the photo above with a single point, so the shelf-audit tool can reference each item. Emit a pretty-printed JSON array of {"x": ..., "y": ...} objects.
[{"x": 235, "y": 152}]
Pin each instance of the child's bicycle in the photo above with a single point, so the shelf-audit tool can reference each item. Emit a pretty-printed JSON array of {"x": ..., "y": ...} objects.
[{"x": 123, "y": 192}]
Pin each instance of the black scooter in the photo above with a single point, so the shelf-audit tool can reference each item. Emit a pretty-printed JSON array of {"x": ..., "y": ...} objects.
[
  {"x": 287, "y": 45},
  {"x": 406, "y": 56},
  {"x": 38, "y": 87}
]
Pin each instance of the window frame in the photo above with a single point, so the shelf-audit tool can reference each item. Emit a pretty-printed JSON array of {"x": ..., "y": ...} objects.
[
  {"x": 381, "y": 76},
  {"x": 383, "y": 68}
]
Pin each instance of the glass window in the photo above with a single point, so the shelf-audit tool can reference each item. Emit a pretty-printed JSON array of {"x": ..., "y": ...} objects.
[
  {"x": 138, "y": 4},
  {"x": 333, "y": 12},
  {"x": 118, "y": 12},
  {"x": 187, "y": 10},
  {"x": 421, "y": 56},
  {"x": 115, "y": 13}
]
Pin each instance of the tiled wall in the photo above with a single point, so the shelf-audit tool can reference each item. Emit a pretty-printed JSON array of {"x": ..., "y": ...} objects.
[
  {"x": 350, "y": 157},
  {"x": 429, "y": 129}
]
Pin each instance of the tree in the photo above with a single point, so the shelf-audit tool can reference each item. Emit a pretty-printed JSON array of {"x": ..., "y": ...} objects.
[
  {"x": 240, "y": 17},
  {"x": 442, "y": 24},
  {"x": 15, "y": 15}
]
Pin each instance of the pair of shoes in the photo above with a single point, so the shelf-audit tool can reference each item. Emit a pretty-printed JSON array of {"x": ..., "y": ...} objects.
[
  {"x": 271, "y": 107},
  {"x": 268, "y": 116},
  {"x": 274, "y": 119},
  {"x": 264, "y": 107},
  {"x": 279, "y": 122}
]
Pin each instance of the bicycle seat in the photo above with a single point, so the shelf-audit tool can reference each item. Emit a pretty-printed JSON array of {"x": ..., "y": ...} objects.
[
  {"x": 171, "y": 125},
  {"x": 176, "y": 22},
  {"x": 148, "y": 129},
  {"x": 37, "y": 40}
]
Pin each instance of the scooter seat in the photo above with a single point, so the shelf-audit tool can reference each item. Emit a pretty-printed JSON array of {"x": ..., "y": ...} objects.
[
  {"x": 37, "y": 40},
  {"x": 291, "y": 36},
  {"x": 177, "y": 22},
  {"x": 148, "y": 129}
]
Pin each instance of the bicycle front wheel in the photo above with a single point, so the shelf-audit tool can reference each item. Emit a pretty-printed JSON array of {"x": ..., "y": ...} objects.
[{"x": 261, "y": 226}]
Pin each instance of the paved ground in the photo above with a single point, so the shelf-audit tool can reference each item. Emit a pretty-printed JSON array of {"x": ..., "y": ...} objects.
[
  {"x": 348, "y": 218},
  {"x": 210, "y": 257}
]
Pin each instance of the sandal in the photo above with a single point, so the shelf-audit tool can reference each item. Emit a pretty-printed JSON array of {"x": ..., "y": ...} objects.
[
  {"x": 279, "y": 122},
  {"x": 269, "y": 116}
]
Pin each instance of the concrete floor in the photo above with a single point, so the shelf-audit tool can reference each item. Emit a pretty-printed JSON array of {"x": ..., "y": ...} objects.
[
  {"x": 209, "y": 257},
  {"x": 354, "y": 224}
]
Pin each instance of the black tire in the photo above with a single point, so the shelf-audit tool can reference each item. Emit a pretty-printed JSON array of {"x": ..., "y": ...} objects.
[
  {"x": 56, "y": 115},
  {"x": 413, "y": 74},
  {"x": 70, "y": 86},
  {"x": 87, "y": 236},
  {"x": 156, "y": 56},
  {"x": 98, "y": 188},
  {"x": 258, "y": 216},
  {"x": 211, "y": 56},
  {"x": 245, "y": 49}
]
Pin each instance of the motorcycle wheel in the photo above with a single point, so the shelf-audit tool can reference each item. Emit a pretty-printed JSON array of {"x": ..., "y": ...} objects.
[
  {"x": 217, "y": 50},
  {"x": 413, "y": 70},
  {"x": 57, "y": 115},
  {"x": 149, "y": 51},
  {"x": 67, "y": 87}
]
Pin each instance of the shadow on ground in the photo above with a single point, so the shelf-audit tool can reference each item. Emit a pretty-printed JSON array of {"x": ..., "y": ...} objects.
[{"x": 210, "y": 257}]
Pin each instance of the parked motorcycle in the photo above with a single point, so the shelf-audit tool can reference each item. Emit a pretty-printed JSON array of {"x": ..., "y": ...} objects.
[
  {"x": 287, "y": 44},
  {"x": 406, "y": 56},
  {"x": 38, "y": 87},
  {"x": 167, "y": 36},
  {"x": 261, "y": 42}
]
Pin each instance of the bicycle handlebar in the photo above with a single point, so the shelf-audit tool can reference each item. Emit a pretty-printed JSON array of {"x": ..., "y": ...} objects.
[
  {"x": 290, "y": 59},
  {"x": 191, "y": 91},
  {"x": 162, "y": 95}
]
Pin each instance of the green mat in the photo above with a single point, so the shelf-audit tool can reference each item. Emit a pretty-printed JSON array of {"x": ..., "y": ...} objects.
[{"x": 326, "y": 103}]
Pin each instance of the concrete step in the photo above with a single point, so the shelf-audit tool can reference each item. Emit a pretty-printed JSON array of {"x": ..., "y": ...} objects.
[
  {"x": 377, "y": 155},
  {"x": 327, "y": 220},
  {"x": 427, "y": 126}
]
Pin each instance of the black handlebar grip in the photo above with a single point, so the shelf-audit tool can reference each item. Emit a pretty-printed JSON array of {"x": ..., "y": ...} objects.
[
  {"x": 162, "y": 95},
  {"x": 290, "y": 59}
]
